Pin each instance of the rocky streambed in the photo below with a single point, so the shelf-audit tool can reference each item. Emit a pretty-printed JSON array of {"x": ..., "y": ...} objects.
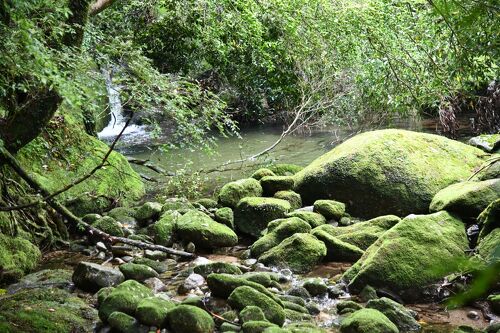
[{"x": 374, "y": 236}]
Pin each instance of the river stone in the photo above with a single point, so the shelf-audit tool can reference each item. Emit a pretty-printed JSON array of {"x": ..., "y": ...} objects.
[
  {"x": 273, "y": 184},
  {"x": 188, "y": 318},
  {"x": 109, "y": 225},
  {"x": 217, "y": 267},
  {"x": 314, "y": 219},
  {"x": 199, "y": 228},
  {"x": 285, "y": 169},
  {"x": 124, "y": 298},
  {"x": 387, "y": 172},
  {"x": 467, "y": 199},
  {"x": 163, "y": 231},
  {"x": 261, "y": 173},
  {"x": 362, "y": 234},
  {"x": 292, "y": 197},
  {"x": 315, "y": 286},
  {"x": 301, "y": 327},
  {"x": 487, "y": 142},
  {"x": 152, "y": 311},
  {"x": 419, "y": 250},
  {"x": 489, "y": 247},
  {"x": 253, "y": 214},
  {"x": 138, "y": 272},
  {"x": 367, "y": 321},
  {"x": 181, "y": 205},
  {"x": 251, "y": 313},
  {"x": 300, "y": 253},
  {"x": 396, "y": 313},
  {"x": 489, "y": 219},
  {"x": 231, "y": 193},
  {"x": 257, "y": 326},
  {"x": 159, "y": 266},
  {"x": 337, "y": 250},
  {"x": 148, "y": 212},
  {"x": 330, "y": 209},
  {"x": 92, "y": 277},
  {"x": 225, "y": 216},
  {"x": 123, "y": 323},
  {"x": 123, "y": 215},
  {"x": 208, "y": 203},
  {"x": 46, "y": 278},
  {"x": 245, "y": 296},
  {"x": 286, "y": 228}
]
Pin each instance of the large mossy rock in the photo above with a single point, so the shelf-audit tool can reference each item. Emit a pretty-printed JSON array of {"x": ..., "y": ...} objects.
[
  {"x": 17, "y": 257},
  {"x": 163, "y": 231},
  {"x": 367, "y": 321},
  {"x": 489, "y": 247},
  {"x": 231, "y": 193},
  {"x": 188, "y": 318},
  {"x": 467, "y": 199},
  {"x": 337, "y": 250},
  {"x": 245, "y": 296},
  {"x": 362, "y": 234},
  {"x": 45, "y": 310},
  {"x": 314, "y": 219},
  {"x": 153, "y": 311},
  {"x": 300, "y": 253},
  {"x": 397, "y": 313},
  {"x": 387, "y": 172},
  {"x": 92, "y": 277},
  {"x": 199, "y": 228},
  {"x": 489, "y": 219},
  {"x": 418, "y": 251},
  {"x": 253, "y": 214},
  {"x": 109, "y": 225},
  {"x": 487, "y": 142},
  {"x": 273, "y": 184},
  {"x": 222, "y": 285}
]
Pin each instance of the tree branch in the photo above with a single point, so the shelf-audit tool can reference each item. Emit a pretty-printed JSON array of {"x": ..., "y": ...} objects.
[{"x": 99, "y": 6}]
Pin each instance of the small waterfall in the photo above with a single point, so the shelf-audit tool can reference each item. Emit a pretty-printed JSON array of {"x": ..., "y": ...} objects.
[{"x": 118, "y": 119}]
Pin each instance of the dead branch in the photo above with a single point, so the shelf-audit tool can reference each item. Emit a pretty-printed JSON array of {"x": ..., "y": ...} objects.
[{"x": 99, "y": 6}]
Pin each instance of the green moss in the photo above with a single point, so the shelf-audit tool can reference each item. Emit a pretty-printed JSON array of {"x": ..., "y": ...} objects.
[
  {"x": 387, "y": 172},
  {"x": 179, "y": 204},
  {"x": 487, "y": 142},
  {"x": 338, "y": 250},
  {"x": 314, "y": 219},
  {"x": 273, "y": 184},
  {"x": 253, "y": 213},
  {"x": 342, "y": 305},
  {"x": 47, "y": 310},
  {"x": 261, "y": 173},
  {"x": 217, "y": 267},
  {"x": 225, "y": 216},
  {"x": 293, "y": 315},
  {"x": 163, "y": 231},
  {"x": 396, "y": 313},
  {"x": 123, "y": 215},
  {"x": 123, "y": 323},
  {"x": 367, "y": 321},
  {"x": 362, "y": 234},
  {"x": 303, "y": 327},
  {"x": 257, "y": 326},
  {"x": 231, "y": 193},
  {"x": 284, "y": 169},
  {"x": 148, "y": 212},
  {"x": 187, "y": 318},
  {"x": 489, "y": 247},
  {"x": 315, "y": 286},
  {"x": 467, "y": 199},
  {"x": 17, "y": 257},
  {"x": 109, "y": 225},
  {"x": 286, "y": 228},
  {"x": 300, "y": 253},
  {"x": 489, "y": 219},
  {"x": 418, "y": 251},
  {"x": 294, "y": 306},
  {"x": 251, "y": 313},
  {"x": 245, "y": 296},
  {"x": 330, "y": 209},
  {"x": 208, "y": 203},
  {"x": 137, "y": 272},
  {"x": 152, "y": 311},
  {"x": 290, "y": 196},
  {"x": 199, "y": 228}
]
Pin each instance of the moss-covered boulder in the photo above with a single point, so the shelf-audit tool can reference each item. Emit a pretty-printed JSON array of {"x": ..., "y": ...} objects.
[
  {"x": 315, "y": 286},
  {"x": 387, "y": 172},
  {"x": 231, "y": 193},
  {"x": 314, "y": 219},
  {"x": 137, "y": 272},
  {"x": 273, "y": 184},
  {"x": 217, "y": 267},
  {"x": 124, "y": 298},
  {"x": 292, "y": 197},
  {"x": 330, "y": 209},
  {"x": 418, "y": 251},
  {"x": 337, "y": 250},
  {"x": 286, "y": 228},
  {"x": 362, "y": 234},
  {"x": 222, "y": 285},
  {"x": 261, "y": 173},
  {"x": 18, "y": 256},
  {"x": 367, "y": 321},
  {"x": 181, "y": 205},
  {"x": 188, "y": 318},
  {"x": 159, "y": 266},
  {"x": 489, "y": 247},
  {"x": 487, "y": 142},
  {"x": 153, "y": 311},
  {"x": 396, "y": 313},
  {"x": 163, "y": 231},
  {"x": 489, "y": 219},
  {"x": 123, "y": 323},
  {"x": 245, "y": 296},
  {"x": 45, "y": 310},
  {"x": 148, "y": 212},
  {"x": 300, "y": 253},
  {"x": 199, "y": 228},
  {"x": 225, "y": 215},
  {"x": 253, "y": 214},
  {"x": 488, "y": 171},
  {"x": 467, "y": 199},
  {"x": 92, "y": 277},
  {"x": 285, "y": 169},
  {"x": 123, "y": 215},
  {"x": 251, "y": 313},
  {"x": 109, "y": 225},
  {"x": 257, "y": 326},
  {"x": 208, "y": 203}
]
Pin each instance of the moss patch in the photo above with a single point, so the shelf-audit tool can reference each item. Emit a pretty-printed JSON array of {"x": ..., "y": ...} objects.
[
  {"x": 253, "y": 214},
  {"x": 17, "y": 257}
]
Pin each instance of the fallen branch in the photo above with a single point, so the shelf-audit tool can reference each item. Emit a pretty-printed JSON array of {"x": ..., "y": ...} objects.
[
  {"x": 73, "y": 219},
  {"x": 488, "y": 164},
  {"x": 148, "y": 164}
]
